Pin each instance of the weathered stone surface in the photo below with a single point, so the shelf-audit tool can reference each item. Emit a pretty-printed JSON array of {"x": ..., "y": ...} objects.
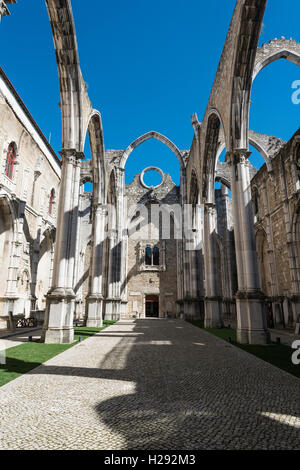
[
  {"x": 155, "y": 280},
  {"x": 276, "y": 49},
  {"x": 276, "y": 196},
  {"x": 27, "y": 221},
  {"x": 153, "y": 385}
]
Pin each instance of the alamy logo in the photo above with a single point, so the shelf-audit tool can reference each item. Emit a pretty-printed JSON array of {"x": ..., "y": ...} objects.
[
  {"x": 296, "y": 94},
  {"x": 296, "y": 354}
]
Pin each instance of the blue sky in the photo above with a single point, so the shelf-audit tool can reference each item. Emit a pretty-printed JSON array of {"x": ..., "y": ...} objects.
[{"x": 149, "y": 66}]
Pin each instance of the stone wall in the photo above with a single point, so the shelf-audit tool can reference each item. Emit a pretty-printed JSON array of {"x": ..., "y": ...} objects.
[
  {"x": 275, "y": 196},
  {"x": 143, "y": 280},
  {"x": 27, "y": 217}
]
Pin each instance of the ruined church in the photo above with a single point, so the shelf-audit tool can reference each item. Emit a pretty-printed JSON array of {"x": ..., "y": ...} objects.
[{"x": 226, "y": 254}]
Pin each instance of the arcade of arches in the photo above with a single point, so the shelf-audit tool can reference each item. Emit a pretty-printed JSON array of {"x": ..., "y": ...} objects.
[{"x": 227, "y": 255}]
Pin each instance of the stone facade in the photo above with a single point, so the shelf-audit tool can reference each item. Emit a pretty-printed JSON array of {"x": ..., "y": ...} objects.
[
  {"x": 142, "y": 280},
  {"x": 29, "y": 187},
  {"x": 275, "y": 196}
]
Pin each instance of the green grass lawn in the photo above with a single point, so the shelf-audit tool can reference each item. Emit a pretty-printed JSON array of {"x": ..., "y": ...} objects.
[
  {"x": 25, "y": 357},
  {"x": 278, "y": 355}
]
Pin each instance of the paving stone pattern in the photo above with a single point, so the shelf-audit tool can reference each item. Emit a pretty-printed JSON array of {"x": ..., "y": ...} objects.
[{"x": 152, "y": 384}]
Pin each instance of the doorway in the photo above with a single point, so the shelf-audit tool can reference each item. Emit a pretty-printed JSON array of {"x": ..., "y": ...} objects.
[{"x": 152, "y": 306}]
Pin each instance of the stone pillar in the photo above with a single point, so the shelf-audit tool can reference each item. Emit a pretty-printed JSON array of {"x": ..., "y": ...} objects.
[
  {"x": 95, "y": 298},
  {"x": 58, "y": 326},
  {"x": 115, "y": 304},
  {"x": 192, "y": 266},
  {"x": 251, "y": 316},
  {"x": 213, "y": 307}
]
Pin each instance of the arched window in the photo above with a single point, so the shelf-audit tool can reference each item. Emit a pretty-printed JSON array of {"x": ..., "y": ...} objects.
[
  {"x": 10, "y": 160},
  {"x": 51, "y": 201},
  {"x": 155, "y": 256},
  {"x": 148, "y": 256}
]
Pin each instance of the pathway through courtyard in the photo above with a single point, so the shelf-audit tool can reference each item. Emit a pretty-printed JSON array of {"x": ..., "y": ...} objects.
[{"x": 152, "y": 384}]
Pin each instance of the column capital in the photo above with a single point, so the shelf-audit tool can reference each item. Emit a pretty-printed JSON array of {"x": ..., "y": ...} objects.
[
  {"x": 71, "y": 155},
  {"x": 119, "y": 175},
  {"x": 237, "y": 156},
  {"x": 119, "y": 169}
]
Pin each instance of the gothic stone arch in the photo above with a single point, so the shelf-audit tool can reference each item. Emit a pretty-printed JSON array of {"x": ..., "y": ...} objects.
[
  {"x": 152, "y": 135},
  {"x": 75, "y": 104},
  {"x": 96, "y": 137},
  {"x": 276, "y": 49},
  {"x": 267, "y": 146}
]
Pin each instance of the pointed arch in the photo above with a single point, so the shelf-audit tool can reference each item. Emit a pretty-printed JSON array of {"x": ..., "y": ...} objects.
[
  {"x": 11, "y": 157},
  {"x": 230, "y": 93},
  {"x": 194, "y": 192},
  {"x": 111, "y": 190},
  {"x": 95, "y": 130},
  {"x": 267, "y": 146},
  {"x": 275, "y": 50},
  {"x": 251, "y": 19},
  {"x": 152, "y": 135},
  {"x": 75, "y": 104},
  {"x": 211, "y": 143}
]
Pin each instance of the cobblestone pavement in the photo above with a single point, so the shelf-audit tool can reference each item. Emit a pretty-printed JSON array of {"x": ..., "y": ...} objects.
[{"x": 152, "y": 384}]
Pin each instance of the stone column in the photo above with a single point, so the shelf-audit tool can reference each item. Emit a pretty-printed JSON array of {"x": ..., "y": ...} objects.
[
  {"x": 251, "y": 316},
  {"x": 124, "y": 286},
  {"x": 95, "y": 297},
  {"x": 115, "y": 304},
  {"x": 192, "y": 307},
  {"x": 122, "y": 211},
  {"x": 58, "y": 326},
  {"x": 213, "y": 310}
]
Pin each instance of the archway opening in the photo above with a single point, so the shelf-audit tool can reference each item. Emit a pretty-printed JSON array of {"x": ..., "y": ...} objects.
[
  {"x": 88, "y": 186},
  {"x": 223, "y": 183},
  {"x": 212, "y": 139},
  {"x": 256, "y": 159},
  {"x": 272, "y": 110},
  {"x": 148, "y": 154}
]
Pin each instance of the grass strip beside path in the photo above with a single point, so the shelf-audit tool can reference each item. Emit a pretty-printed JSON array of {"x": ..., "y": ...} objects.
[
  {"x": 279, "y": 355},
  {"x": 27, "y": 356}
]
